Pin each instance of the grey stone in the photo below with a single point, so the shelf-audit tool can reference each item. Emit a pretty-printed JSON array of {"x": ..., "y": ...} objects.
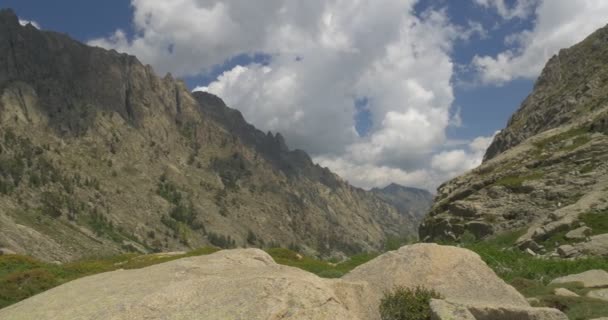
[
  {"x": 597, "y": 245},
  {"x": 567, "y": 251},
  {"x": 601, "y": 294},
  {"x": 6, "y": 251},
  {"x": 588, "y": 279},
  {"x": 563, "y": 292},
  {"x": 463, "y": 209},
  {"x": 579, "y": 234},
  {"x": 444, "y": 310},
  {"x": 493, "y": 312}
]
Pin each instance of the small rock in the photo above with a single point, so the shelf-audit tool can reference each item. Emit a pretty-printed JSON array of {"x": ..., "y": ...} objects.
[
  {"x": 579, "y": 234},
  {"x": 530, "y": 252},
  {"x": 589, "y": 279},
  {"x": 463, "y": 209},
  {"x": 5, "y": 251},
  {"x": 563, "y": 292},
  {"x": 495, "y": 312},
  {"x": 597, "y": 245},
  {"x": 529, "y": 244},
  {"x": 601, "y": 294},
  {"x": 444, "y": 310},
  {"x": 567, "y": 251}
]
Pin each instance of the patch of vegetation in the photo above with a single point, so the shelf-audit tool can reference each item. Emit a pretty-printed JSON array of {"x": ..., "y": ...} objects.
[
  {"x": 407, "y": 303},
  {"x": 102, "y": 226},
  {"x": 530, "y": 275},
  {"x": 555, "y": 240},
  {"x": 221, "y": 240},
  {"x": 576, "y": 308},
  {"x": 168, "y": 191},
  {"x": 22, "y": 277},
  {"x": 52, "y": 203},
  {"x": 578, "y": 136},
  {"x": 597, "y": 221},
  {"x": 588, "y": 167},
  {"x": 394, "y": 242},
  {"x": 321, "y": 268},
  {"x": 231, "y": 170},
  {"x": 183, "y": 215},
  {"x": 515, "y": 183},
  {"x": 510, "y": 263}
]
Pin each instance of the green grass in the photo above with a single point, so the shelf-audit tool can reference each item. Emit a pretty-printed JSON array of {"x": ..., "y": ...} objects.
[
  {"x": 512, "y": 264},
  {"x": 530, "y": 275},
  {"x": 597, "y": 221},
  {"x": 588, "y": 167},
  {"x": 321, "y": 268},
  {"x": 515, "y": 183},
  {"x": 576, "y": 308},
  {"x": 579, "y": 136}
]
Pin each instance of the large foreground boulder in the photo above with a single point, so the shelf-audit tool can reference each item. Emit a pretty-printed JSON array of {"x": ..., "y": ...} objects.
[
  {"x": 459, "y": 275},
  {"x": 248, "y": 284},
  {"x": 232, "y": 284}
]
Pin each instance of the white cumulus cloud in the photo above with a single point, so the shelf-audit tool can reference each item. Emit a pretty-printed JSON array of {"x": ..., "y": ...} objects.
[
  {"x": 520, "y": 9},
  {"x": 558, "y": 24},
  {"x": 454, "y": 162},
  {"x": 24, "y": 22},
  {"x": 325, "y": 55}
]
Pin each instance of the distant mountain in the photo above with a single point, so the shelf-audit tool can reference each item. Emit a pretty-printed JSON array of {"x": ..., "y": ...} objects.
[
  {"x": 98, "y": 156},
  {"x": 412, "y": 202},
  {"x": 545, "y": 175}
]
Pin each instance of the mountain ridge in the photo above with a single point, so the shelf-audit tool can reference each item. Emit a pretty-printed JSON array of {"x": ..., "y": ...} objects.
[
  {"x": 101, "y": 156},
  {"x": 544, "y": 176}
]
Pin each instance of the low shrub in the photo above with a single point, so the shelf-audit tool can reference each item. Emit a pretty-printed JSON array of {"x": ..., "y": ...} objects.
[{"x": 407, "y": 303}]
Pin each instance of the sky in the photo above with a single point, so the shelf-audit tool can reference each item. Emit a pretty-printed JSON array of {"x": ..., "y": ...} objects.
[{"x": 379, "y": 91}]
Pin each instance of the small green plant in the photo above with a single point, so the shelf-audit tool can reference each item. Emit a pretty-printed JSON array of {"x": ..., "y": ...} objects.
[
  {"x": 515, "y": 183},
  {"x": 407, "y": 303}
]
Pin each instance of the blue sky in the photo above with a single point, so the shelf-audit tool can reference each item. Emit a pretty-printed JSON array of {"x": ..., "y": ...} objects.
[{"x": 307, "y": 71}]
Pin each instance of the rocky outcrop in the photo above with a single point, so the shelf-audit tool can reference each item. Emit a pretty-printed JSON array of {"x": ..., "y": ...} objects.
[
  {"x": 571, "y": 84},
  {"x": 248, "y": 284},
  {"x": 588, "y": 279},
  {"x": 99, "y": 154},
  {"x": 545, "y": 173}
]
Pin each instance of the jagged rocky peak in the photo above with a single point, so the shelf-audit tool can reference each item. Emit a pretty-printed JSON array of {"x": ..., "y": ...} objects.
[
  {"x": 272, "y": 147},
  {"x": 545, "y": 175},
  {"x": 74, "y": 81},
  {"x": 570, "y": 86}
]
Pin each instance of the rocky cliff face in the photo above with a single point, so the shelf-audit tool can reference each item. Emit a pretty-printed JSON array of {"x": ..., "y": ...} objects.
[
  {"x": 411, "y": 202},
  {"x": 98, "y": 155},
  {"x": 545, "y": 175}
]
